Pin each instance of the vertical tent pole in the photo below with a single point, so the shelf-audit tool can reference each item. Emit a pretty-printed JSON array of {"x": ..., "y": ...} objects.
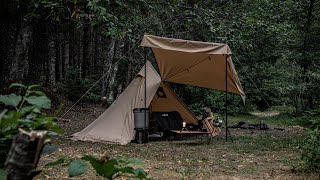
[
  {"x": 145, "y": 96},
  {"x": 226, "y": 98}
]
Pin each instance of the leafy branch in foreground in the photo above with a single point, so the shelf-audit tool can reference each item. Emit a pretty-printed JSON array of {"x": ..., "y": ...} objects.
[
  {"x": 110, "y": 168},
  {"x": 24, "y": 110}
]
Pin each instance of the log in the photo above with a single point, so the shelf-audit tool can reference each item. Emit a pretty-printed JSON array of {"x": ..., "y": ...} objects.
[{"x": 24, "y": 155}]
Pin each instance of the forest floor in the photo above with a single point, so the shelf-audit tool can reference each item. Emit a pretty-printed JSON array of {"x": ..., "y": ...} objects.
[{"x": 253, "y": 154}]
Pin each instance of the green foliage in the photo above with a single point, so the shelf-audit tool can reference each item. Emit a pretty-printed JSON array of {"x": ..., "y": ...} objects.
[
  {"x": 74, "y": 87},
  {"x": 311, "y": 151},
  {"x": 23, "y": 111},
  {"x": 77, "y": 167},
  {"x": 110, "y": 168},
  {"x": 58, "y": 161},
  {"x": 3, "y": 174}
]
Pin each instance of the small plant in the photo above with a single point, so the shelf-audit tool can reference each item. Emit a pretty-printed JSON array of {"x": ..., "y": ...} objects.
[
  {"x": 311, "y": 151},
  {"x": 23, "y": 110},
  {"x": 110, "y": 168}
]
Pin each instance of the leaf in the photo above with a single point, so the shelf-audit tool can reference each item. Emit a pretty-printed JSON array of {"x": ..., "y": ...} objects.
[
  {"x": 17, "y": 85},
  {"x": 27, "y": 109},
  {"x": 57, "y": 162},
  {"x": 106, "y": 169},
  {"x": 40, "y": 93},
  {"x": 39, "y": 101},
  {"x": 51, "y": 133},
  {"x": 9, "y": 121},
  {"x": 135, "y": 161},
  {"x": 49, "y": 149},
  {"x": 2, "y": 114},
  {"x": 140, "y": 173},
  {"x": 3, "y": 174},
  {"x": 96, "y": 164},
  {"x": 109, "y": 168},
  {"x": 77, "y": 167},
  {"x": 33, "y": 86},
  {"x": 10, "y": 100},
  {"x": 129, "y": 170}
]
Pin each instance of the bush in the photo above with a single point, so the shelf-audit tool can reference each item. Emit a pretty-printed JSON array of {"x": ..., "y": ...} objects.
[
  {"x": 311, "y": 147},
  {"x": 74, "y": 87},
  {"x": 311, "y": 151},
  {"x": 23, "y": 110}
]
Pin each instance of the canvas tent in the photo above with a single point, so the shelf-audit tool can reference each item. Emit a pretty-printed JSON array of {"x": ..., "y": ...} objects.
[
  {"x": 116, "y": 124},
  {"x": 196, "y": 63}
]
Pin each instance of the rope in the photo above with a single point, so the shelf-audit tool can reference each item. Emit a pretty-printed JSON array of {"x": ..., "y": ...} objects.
[
  {"x": 99, "y": 79},
  {"x": 251, "y": 80}
]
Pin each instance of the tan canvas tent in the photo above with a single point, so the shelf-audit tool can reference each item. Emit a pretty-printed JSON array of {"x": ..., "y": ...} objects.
[
  {"x": 196, "y": 63},
  {"x": 116, "y": 124}
]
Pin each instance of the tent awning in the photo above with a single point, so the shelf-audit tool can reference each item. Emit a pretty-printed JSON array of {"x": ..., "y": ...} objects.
[{"x": 196, "y": 63}]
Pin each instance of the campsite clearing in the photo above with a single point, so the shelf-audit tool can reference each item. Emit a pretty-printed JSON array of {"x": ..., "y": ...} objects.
[{"x": 254, "y": 154}]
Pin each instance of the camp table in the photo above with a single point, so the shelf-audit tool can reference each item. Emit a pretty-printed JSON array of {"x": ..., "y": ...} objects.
[{"x": 192, "y": 132}]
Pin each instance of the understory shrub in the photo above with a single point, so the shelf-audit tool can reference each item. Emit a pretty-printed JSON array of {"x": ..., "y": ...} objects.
[
  {"x": 311, "y": 147},
  {"x": 311, "y": 151},
  {"x": 23, "y": 109},
  {"x": 74, "y": 87}
]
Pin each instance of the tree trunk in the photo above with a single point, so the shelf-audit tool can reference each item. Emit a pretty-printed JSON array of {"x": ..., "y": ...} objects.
[
  {"x": 98, "y": 62},
  {"x": 51, "y": 62},
  {"x": 111, "y": 82},
  {"x": 59, "y": 61},
  {"x": 80, "y": 51},
  {"x": 107, "y": 65},
  {"x": 24, "y": 155},
  {"x": 87, "y": 50},
  {"x": 20, "y": 66},
  {"x": 66, "y": 55}
]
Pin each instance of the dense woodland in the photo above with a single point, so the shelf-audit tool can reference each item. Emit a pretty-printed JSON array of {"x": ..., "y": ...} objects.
[{"x": 67, "y": 45}]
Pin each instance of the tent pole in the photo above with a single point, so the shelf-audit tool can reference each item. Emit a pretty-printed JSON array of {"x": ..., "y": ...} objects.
[
  {"x": 145, "y": 95},
  {"x": 226, "y": 99}
]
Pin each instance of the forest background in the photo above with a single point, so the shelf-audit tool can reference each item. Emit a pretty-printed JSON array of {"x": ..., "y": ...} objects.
[{"x": 67, "y": 45}]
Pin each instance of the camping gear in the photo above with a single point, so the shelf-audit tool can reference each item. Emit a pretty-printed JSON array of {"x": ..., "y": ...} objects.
[
  {"x": 141, "y": 124},
  {"x": 141, "y": 118},
  {"x": 200, "y": 64},
  {"x": 141, "y": 136}
]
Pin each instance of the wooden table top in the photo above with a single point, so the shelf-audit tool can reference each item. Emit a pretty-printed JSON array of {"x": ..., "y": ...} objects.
[{"x": 189, "y": 132}]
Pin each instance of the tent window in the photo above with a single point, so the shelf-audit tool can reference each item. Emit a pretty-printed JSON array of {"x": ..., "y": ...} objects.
[{"x": 160, "y": 93}]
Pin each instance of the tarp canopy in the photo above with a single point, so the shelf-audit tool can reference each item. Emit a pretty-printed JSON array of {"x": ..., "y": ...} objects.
[
  {"x": 196, "y": 63},
  {"x": 116, "y": 124}
]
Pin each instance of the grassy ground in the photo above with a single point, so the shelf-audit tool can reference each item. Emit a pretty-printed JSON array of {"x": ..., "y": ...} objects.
[{"x": 253, "y": 154}]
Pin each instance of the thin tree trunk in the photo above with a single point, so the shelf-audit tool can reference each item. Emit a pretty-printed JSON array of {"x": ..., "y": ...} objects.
[
  {"x": 111, "y": 82},
  {"x": 20, "y": 66},
  {"x": 98, "y": 62},
  {"x": 107, "y": 67},
  {"x": 59, "y": 64},
  {"x": 80, "y": 51},
  {"x": 87, "y": 49},
  {"x": 66, "y": 55},
  {"x": 51, "y": 62}
]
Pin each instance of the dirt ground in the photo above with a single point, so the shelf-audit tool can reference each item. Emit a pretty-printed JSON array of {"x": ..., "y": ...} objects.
[{"x": 253, "y": 154}]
